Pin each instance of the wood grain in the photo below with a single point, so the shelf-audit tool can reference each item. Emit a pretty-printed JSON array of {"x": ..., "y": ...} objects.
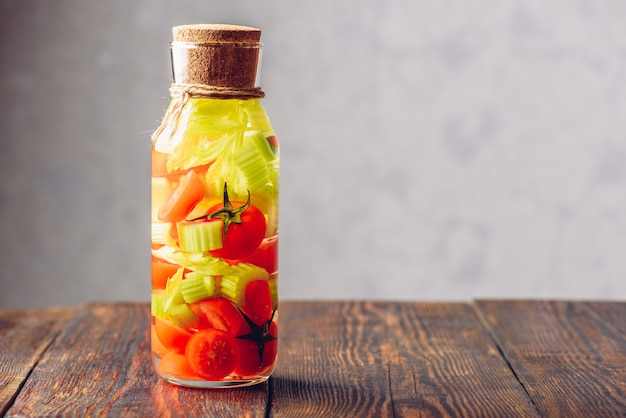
[
  {"x": 447, "y": 365},
  {"x": 379, "y": 359},
  {"x": 330, "y": 362},
  {"x": 100, "y": 366},
  {"x": 24, "y": 336},
  {"x": 570, "y": 356},
  {"x": 385, "y": 359}
]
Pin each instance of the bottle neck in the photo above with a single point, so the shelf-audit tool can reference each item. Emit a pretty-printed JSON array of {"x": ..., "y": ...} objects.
[{"x": 222, "y": 65}]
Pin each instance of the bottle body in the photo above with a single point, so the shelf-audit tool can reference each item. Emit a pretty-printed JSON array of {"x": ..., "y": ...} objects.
[{"x": 214, "y": 300}]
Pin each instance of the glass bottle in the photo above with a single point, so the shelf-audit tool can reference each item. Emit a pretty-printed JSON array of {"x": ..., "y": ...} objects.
[{"x": 215, "y": 171}]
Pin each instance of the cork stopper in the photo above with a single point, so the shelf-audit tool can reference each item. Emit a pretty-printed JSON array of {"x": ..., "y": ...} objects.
[
  {"x": 216, "y": 55},
  {"x": 216, "y": 33}
]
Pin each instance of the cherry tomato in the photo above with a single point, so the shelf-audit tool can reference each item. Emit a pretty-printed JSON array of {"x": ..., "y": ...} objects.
[
  {"x": 187, "y": 194},
  {"x": 273, "y": 141},
  {"x": 170, "y": 335},
  {"x": 258, "y": 301},
  {"x": 242, "y": 238},
  {"x": 217, "y": 313},
  {"x": 212, "y": 353},
  {"x": 266, "y": 256},
  {"x": 249, "y": 362}
]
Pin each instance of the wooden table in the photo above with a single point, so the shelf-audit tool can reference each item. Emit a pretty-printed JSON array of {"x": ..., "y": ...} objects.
[{"x": 336, "y": 359}]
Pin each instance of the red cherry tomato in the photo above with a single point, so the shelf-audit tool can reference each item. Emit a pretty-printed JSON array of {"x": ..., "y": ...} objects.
[
  {"x": 212, "y": 353},
  {"x": 266, "y": 256},
  {"x": 258, "y": 301},
  {"x": 249, "y": 362},
  {"x": 218, "y": 313},
  {"x": 242, "y": 238},
  {"x": 187, "y": 194}
]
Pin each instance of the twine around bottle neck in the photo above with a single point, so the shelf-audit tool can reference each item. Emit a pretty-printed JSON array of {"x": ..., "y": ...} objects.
[{"x": 181, "y": 93}]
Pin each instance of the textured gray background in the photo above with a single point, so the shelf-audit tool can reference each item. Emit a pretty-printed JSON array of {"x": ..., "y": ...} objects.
[{"x": 430, "y": 149}]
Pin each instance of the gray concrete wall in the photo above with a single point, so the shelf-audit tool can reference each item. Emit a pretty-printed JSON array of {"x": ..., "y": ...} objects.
[{"x": 430, "y": 149}]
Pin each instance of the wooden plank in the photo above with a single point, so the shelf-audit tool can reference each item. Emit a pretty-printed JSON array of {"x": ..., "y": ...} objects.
[
  {"x": 24, "y": 336},
  {"x": 100, "y": 366},
  {"x": 329, "y": 362},
  {"x": 391, "y": 359},
  {"x": 570, "y": 356},
  {"x": 448, "y": 365}
]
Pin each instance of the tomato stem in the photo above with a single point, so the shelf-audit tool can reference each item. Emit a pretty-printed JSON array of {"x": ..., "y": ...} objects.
[
  {"x": 260, "y": 334},
  {"x": 228, "y": 214}
]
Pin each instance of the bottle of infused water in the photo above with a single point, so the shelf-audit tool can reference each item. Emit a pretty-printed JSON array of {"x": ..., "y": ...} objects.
[{"x": 215, "y": 170}]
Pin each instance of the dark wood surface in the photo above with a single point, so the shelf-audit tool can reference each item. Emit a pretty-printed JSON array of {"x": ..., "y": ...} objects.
[{"x": 336, "y": 359}]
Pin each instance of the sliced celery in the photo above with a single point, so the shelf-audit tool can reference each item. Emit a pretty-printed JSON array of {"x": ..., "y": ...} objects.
[
  {"x": 174, "y": 307},
  {"x": 273, "y": 282},
  {"x": 233, "y": 284},
  {"x": 215, "y": 117},
  {"x": 261, "y": 144},
  {"x": 203, "y": 262},
  {"x": 156, "y": 305},
  {"x": 252, "y": 164},
  {"x": 172, "y": 293},
  {"x": 197, "y": 286},
  {"x": 210, "y": 127},
  {"x": 182, "y": 316},
  {"x": 160, "y": 233},
  {"x": 198, "y": 237},
  {"x": 257, "y": 118}
]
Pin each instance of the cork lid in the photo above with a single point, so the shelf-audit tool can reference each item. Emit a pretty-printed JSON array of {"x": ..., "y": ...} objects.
[
  {"x": 216, "y": 55},
  {"x": 209, "y": 33}
]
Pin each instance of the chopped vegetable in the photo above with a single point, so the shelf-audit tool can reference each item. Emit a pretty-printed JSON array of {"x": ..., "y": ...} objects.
[
  {"x": 257, "y": 118},
  {"x": 187, "y": 194},
  {"x": 156, "y": 304},
  {"x": 162, "y": 233},
  {"x": 243, "y": 227},
  {"x": 161, "y": 271},
  {"x": 192, "y": 261},
  {"x": 174, "y": 307},
  {"x": 170, "y": 335},
  {"x": 258, "y": 301},
  {"x": 200, "y": 236},
  {"x": 266, "y": 256},
  {"x": 175, "y": 364},
  {"x": 257, "y": 355},
  {"x": 218, "y": 313},
  {"x": 212, "y": 353},
  {"x": 197, "y": 286},
  {"x": 273, "y": 282},
  {"x": 157, "y": 347},
  {"x": 233, "y": 284}
]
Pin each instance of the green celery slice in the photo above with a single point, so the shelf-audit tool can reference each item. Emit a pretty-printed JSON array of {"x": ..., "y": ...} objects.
[
  {"x": 273, "y": 282},
  {"x": 156, "y": 305},
  {"x": 174, "y": 307},
  {"x": 211, "y": 128},
  {"x": 197, "y": 286},
  {"x": 257, "y": 117},
  {"x": 192, "y": 261},
  {"x": 160, "y": 233},
  {"x": 233, "y": 284},
  {"x": 200, "y": 236}
]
